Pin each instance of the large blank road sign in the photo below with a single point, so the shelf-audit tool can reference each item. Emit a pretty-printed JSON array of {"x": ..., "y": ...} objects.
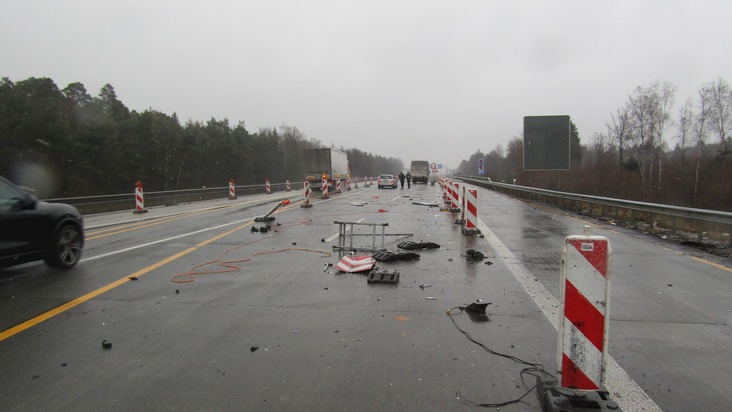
[{"x": 546, "y": 143}]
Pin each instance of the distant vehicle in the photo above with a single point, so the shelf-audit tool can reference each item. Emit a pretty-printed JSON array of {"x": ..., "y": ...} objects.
[
  {"x": 33, "y": 230},
  {"x": 386, "y": 181},
  {"x": 330, "y": 164},
  {"x": 420, "y": 171}
]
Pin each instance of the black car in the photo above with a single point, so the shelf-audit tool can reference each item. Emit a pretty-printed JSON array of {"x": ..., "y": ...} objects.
[{"x": 34, "y": 230}]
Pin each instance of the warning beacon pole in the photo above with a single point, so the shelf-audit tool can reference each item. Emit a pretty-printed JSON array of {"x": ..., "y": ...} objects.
[
  {"x": 307, "y": 203},
  {"x": 139, "y": 200},
  {"x": 585, "y": 307}
]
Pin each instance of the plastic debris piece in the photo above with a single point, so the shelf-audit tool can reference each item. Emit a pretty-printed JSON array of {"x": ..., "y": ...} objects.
[
  {"x": 132, "y": 278},
  {"x": 383, "y": 256},
  {"x": 425, "y": 285},
  {"x": 383, "y": 277},
  {"x": 477, "y": 307},
  {"x": 474, "y": 256},
  {"x": 430, "y": 298},
  {"x": 254, "y": 348},
  {"x": 409, "y": 245},
  {"x": 254, "y": 229},
  {"x": 106, "y": 344}
]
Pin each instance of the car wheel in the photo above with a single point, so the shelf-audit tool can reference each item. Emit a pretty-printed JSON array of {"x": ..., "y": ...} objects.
[{"x": 66, "y": 248}]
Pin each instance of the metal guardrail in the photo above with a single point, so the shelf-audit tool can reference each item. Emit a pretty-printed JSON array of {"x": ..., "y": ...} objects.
[
  {"x": 701, "y": 221},
  {"x": 114, "y": 203}
]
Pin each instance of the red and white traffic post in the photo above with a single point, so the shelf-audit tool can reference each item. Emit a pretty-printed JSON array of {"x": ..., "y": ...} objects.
[
  {"x": 232, "y": 190},
  {"x": 470, "y": 212},
  {"x": 268, "y": 187},
  {"x": 355, "y": 182},
  {"x": 585, "y": 309},
  {"x": 338, "y": 185},
  {"x": 348, "y": 182},
  {"x": 324, "y": 188},
  {"x": 287, "y": 185},
  {"x": 139, "y": 200},
  {"x": 306, "y": 203}
]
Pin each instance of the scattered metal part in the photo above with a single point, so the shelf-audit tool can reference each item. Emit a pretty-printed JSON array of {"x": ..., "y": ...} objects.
[
  {"x": 425, "y": 203},
  {"x": 425, "y": 285}
]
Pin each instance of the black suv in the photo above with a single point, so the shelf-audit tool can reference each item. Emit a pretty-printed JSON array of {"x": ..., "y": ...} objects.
[{"x": 34, "y": 230}]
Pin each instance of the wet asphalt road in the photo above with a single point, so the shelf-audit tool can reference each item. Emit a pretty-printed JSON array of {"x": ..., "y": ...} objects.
[{"x": 263, "y": 324}]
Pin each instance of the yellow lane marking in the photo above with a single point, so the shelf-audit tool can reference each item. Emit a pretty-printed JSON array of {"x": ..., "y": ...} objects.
[
  {"x": 141, "y": 225},
  {"x": 91, "y": 295}
]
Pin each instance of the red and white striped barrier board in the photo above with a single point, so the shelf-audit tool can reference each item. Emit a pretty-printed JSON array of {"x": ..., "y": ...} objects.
[
  {"x": 585, "y": 306},
  {"x": 338, "y": 185},
  {"x": 306, "y": 202},
  {"x": 268, "y": 187},
  {"x": 139, "y": 199},
  {"x": 324, "y": 189},
  {"x": 358, "y": 263},
  {"x": 232, "y": 190},
  {"x": 455, "y": 199},
  {"x": 348, "y": 183},
  {"x": 470, "y": 208}
]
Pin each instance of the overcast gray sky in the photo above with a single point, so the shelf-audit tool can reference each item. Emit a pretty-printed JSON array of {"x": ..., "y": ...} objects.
[{"x": 432, "y": 80}]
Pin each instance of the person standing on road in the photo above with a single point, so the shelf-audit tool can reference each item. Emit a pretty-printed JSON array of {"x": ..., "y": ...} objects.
[
  {"x": 409, "y": 180},
  {"x": 401, "y": 178}
]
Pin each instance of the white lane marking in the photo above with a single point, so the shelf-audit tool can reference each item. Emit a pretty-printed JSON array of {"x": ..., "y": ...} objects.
[
  {"x": 336, "y": 234},
  {"x": 163, "y": 240},
  {"x": 621, "y": 386},
  {"x": 396, "y": 198}
]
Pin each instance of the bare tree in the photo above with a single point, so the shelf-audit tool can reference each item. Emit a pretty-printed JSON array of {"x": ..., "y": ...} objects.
[
  {"x": 720, "y": 111},
  {"x": 685, "y": 128},
  {"x": 619, "y": 131},
  {"x": 700, "y": 128}
]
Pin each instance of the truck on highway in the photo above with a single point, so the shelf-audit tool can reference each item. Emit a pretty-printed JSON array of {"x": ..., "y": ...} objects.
[
  {"x": 420, "y": 171},
  {"x": 330, "y": 164}
]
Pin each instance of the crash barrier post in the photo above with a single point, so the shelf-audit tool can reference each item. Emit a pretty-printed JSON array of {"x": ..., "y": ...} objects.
[
  {"x": 338, "y": 185},
  {"x": 268, "y": 187},
  {"x": 348, "y": 183},
  {"x": 287, "y": 185},
  {"x": 306, "y": 202},
  {"x": 345, "y": 230},
  {"x": 324, "y": 189},
  {"x": 470, "y": 211},
  {"x": 232, "y": 190},
  {"x": 139, "y": 200},
  {"x": 585, "y": 306}
]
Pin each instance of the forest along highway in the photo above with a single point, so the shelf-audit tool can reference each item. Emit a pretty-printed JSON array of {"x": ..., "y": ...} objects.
[{"x": 188, "y": 308}]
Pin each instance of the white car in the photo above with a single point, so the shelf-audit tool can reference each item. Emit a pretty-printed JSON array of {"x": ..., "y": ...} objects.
[{"x": 387, "y": 181}]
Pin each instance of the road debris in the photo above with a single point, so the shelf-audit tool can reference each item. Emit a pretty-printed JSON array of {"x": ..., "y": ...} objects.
[
  {"x": 409, "y": 245},
  {"x": 383, "y": 256},
  {"x": 382, "y": 277}
]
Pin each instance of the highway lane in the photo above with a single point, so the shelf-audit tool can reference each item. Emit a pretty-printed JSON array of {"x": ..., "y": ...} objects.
[{"x": 330, "y": 341}]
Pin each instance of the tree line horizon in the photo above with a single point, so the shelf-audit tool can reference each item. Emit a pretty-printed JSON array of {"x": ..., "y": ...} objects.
[{"x": 94, "y": 145}]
